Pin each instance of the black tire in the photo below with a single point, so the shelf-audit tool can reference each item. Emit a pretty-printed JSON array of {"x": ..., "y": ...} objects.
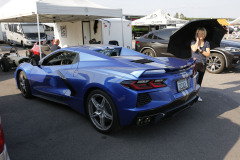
[
  {"x": 215, "y": 63},
  {"x": 102, "y": 111},
  {"x": 149, "y": 52},
  {"x": 24, "y": 85},
  {"x": 5, "y": 65}
]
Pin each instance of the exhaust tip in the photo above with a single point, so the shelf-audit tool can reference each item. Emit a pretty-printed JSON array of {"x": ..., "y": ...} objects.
[{"x": 141, "y": 121}]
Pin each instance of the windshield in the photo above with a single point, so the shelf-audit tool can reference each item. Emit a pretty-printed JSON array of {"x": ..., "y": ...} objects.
[
  {"x": 34, "y": 35},
  {"x": 30, "y": 28}
]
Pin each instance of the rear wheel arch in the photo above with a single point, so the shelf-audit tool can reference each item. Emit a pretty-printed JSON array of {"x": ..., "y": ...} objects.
[
  {"x": 17, "y": 75},
  {"x": 148, "y": 48}
]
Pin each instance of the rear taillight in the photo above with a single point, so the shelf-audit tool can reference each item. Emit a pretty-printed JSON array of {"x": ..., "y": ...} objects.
[
  {"x": 1, "y": 139},
  {"x": 137, "y": 42},
  {"x": 144, "y": 84}
]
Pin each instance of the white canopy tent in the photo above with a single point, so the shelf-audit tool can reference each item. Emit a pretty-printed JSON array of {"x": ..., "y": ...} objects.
[
  {"x": 234, "y": 22},
  {"x": 54, "y": 11},
  {"x": 158, "y": 18},
  {"x": 51, "y": 11}
]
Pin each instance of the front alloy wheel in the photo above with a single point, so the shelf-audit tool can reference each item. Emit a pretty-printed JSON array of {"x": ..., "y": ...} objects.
[
  {"x": 215, "y": 63},
  {"x": 102, "y": 111},
  {"x": 24, "y": 85}
]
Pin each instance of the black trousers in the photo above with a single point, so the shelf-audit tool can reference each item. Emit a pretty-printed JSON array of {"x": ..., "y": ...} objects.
[{"x": 201, "y": 70}]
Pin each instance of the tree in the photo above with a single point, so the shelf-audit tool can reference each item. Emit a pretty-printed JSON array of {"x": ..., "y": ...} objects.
[
  {"x": 182, "y": 16},
  {"x": 168, "y": 14},
  {"x": 176, "y": 15}
]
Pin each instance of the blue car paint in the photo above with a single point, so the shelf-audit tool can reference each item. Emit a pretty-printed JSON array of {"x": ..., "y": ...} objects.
[{"x": 96, "y": 70}]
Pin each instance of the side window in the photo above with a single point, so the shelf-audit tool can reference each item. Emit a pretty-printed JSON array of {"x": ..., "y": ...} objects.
[
  {"x": 10, "y": 27},
  {"x": 155, "y": 36},
  {"x": 19, "y": 29},
  {"x": 15, "y": 28},
  {"x": 163, "y": 34},
  {"x": 61, "y": 58},
  {"x": 150, "y": 36},
  {"x": 6, "y": 27}
]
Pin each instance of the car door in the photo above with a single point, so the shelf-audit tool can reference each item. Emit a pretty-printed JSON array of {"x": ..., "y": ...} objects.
[{"x": 50, "y": 78}]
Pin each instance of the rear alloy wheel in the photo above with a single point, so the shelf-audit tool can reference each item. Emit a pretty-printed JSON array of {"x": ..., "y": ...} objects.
[
  {"x": 24, "y": 85},
  {"x": 102, "y": 111},
  {"x": 215, "y": 63},
  {"x": 149, "y": 52}
]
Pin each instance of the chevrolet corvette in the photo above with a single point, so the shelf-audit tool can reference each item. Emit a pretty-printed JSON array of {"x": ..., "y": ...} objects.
[{"x": 111, "y": 85}]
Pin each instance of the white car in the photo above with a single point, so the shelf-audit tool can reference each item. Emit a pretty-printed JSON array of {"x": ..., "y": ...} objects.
[{"x": 3, "y": 149}]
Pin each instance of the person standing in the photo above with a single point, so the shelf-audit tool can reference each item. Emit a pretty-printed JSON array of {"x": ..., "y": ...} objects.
[
  {"x": 55, "y": 46},
  {"x": 200, "y": 51}
]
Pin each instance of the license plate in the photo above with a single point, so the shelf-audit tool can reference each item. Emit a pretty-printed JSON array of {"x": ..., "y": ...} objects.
[{"x": 182, "y": 85}]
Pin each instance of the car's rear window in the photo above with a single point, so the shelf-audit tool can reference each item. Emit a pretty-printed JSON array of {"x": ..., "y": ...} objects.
[{"x": 111, "y": 52}]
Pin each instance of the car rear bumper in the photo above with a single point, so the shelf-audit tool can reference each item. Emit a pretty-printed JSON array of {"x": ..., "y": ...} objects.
[
  {"x": 4, "y": 155},
  {"x": 177, "y": 106}
]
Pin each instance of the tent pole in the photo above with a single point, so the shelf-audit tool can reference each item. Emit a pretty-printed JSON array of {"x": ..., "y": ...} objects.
[
  {"x": 228, "y": 31},
  {"x": 122, "y": 31},
  {"x": 39, "y": 38}
]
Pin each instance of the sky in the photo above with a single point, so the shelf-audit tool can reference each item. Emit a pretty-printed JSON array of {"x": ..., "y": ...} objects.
[{"x": 189, "y": 8}]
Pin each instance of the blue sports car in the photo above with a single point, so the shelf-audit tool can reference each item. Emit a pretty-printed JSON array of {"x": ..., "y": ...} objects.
[{"x": 113, "y": 86}]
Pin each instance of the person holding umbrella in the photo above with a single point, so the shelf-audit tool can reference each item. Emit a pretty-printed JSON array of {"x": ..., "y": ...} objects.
[{"x": 200, "y": 51}]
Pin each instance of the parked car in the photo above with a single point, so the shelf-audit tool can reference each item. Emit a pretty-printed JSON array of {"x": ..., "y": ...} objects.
[
  {"x": 11, "y": 60},
  {"x": 3, "y": 149},
  {"x": 111, "y": 85},
  {"x": 155, "y": 44}
]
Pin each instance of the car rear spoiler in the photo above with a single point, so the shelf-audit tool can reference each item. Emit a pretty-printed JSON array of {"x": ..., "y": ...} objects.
[{"x": 157, "y": 72}]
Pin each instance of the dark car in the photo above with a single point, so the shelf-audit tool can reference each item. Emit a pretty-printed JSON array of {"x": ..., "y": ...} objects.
[{"x": 155, "y": 44}]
